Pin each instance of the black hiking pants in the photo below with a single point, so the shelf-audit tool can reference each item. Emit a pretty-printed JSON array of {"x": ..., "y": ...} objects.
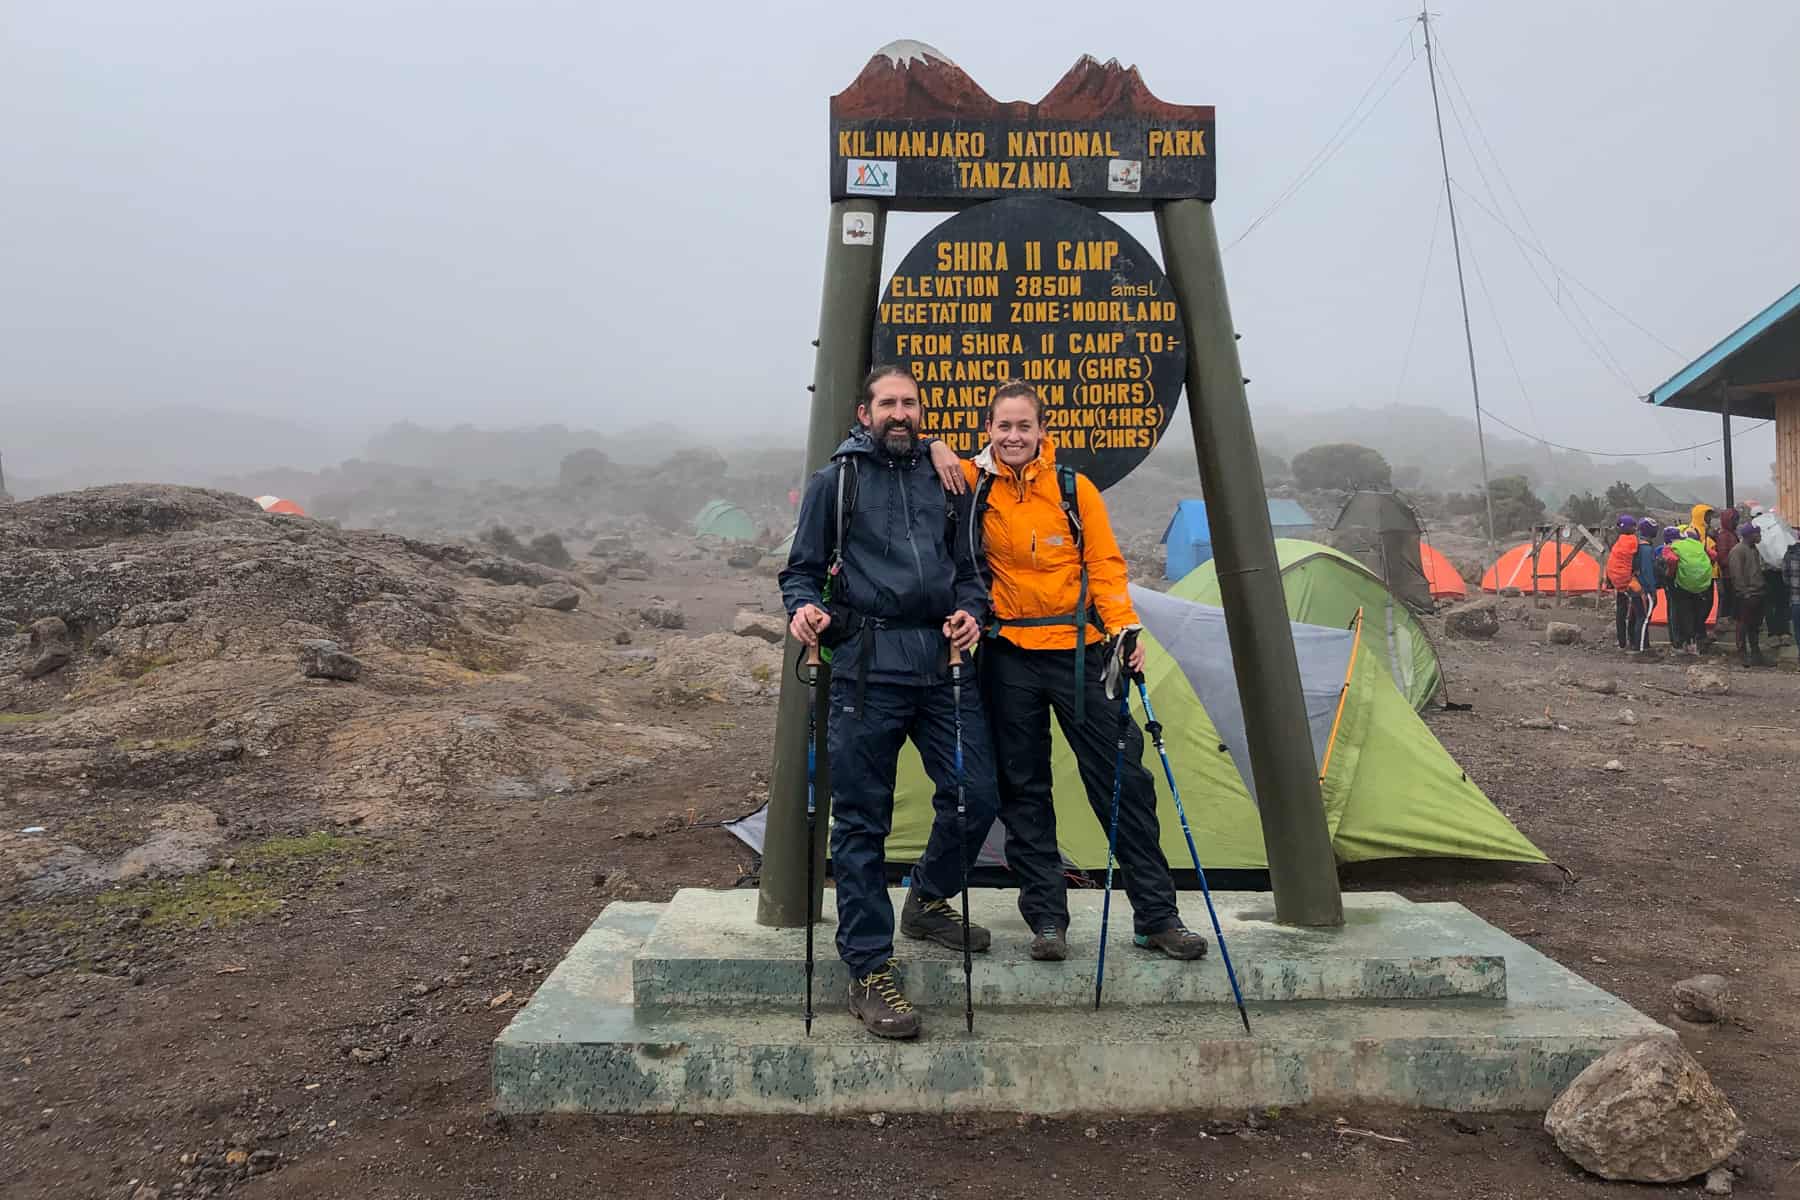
[
  {"x": 865, "y": 756},
  {"x": 1631, "y": 617},
  {"x": 1749, "y": 629},
  {"x": 1775, "y": 604},
  {"x": 1021, "y": 689}
]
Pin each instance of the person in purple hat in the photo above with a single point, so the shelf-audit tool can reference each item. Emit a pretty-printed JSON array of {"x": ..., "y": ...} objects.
[
  {"x": 1621, "y": 576},
  {"x": 1645, "y": 569}
]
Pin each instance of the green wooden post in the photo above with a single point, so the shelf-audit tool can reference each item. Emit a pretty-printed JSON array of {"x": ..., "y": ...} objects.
[
  {"x": 853, "y": 242},
  {"x": 1302, "y": 869}
]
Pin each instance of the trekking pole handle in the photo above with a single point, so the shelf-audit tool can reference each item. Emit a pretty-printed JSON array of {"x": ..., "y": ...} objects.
[
  {"x": 812, "y": 657},
  {"x": 1126, "y": 650},
  {"x": 955, "y": 657}
]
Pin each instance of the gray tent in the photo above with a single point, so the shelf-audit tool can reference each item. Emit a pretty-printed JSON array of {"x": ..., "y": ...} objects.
[{"x": 1381, "y": 531}]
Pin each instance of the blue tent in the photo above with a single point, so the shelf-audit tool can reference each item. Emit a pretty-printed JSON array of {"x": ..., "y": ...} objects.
[{"x": 1189, "y": 537}]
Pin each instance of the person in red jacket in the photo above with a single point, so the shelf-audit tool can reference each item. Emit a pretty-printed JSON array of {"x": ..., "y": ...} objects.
[
  {"x": 1621, "y": 576},
  {"x": 1725, "y": 541}
]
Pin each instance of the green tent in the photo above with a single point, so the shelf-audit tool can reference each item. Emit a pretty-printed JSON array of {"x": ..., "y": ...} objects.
[
  {"x": 723, "y": 519},
  {"x": 1327, "y": 587},
  {"x": 1390, "y": 789}
]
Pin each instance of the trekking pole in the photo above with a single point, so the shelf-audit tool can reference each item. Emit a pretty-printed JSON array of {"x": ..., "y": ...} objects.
[
  {"x": 962, "y": 834},
  {"x": 1156, "y": 735},
  {"x": 812, "y": 813},
  {"x": 1112, "y": 841}
]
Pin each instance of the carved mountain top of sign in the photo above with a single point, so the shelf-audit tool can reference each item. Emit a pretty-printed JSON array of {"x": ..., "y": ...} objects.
[
  {"x": 909, "y": 79},
  {"x": 1093, "y": 89}
]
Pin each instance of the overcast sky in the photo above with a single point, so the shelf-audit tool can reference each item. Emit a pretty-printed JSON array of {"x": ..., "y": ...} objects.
[{"x": 510, "y": 211}]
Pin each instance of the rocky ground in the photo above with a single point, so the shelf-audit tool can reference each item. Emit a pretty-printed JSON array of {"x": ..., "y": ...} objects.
[{"x": 264, "y": 926}]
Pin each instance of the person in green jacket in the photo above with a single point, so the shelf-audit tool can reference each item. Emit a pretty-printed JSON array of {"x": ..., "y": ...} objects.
[{"x": 1693, "y": 589}]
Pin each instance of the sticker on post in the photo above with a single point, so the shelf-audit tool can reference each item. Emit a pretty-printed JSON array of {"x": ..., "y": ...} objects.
[
  {"x": 1124, "y": 175},
  {"x": 859, "y": 229},
  {"x": 870, "y": 176}
]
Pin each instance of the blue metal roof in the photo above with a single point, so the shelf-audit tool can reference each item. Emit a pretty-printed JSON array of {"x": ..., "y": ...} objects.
[{"x": 1761, "y": 357}]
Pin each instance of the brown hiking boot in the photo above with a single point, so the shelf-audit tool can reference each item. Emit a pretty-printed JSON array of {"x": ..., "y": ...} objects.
[
  {"x": 1050, "y": 945},
  {"x": 938, "y": 921},
  {"x": 1179, "y": 943},
  {"x": 877, "y": 1001}
]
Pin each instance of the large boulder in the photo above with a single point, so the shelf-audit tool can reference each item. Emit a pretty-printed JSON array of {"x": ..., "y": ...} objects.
[
  {"x": 772, "y": 630},
  {"x": 49, "y": 649},
  {"x": 1478, "y": 621},
  {"x": 1561, "y": 633},
  {"x": 1645, "y": 1112},
  {"x": 663, "y": 615},
  {"x": 716, "y": 667},
  {"x": 1703, "y": 999},
  {"x": 320, "y": 659},
  {"x": 558, "y": 596}
]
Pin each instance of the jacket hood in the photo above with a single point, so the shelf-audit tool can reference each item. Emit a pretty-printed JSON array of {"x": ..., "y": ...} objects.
[
  {"x": 1697, "y": 518},
  {"x": 861, "y": 441},
  {"x": 1728, "y": 519}
]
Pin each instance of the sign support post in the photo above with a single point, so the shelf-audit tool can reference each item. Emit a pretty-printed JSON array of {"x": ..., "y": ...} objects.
[
  {"x": 1302, "y": 868},
  {"x": 853, "y": 244}
]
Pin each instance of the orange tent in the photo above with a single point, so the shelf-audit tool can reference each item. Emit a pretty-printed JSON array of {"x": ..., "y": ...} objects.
[
  {"x": 1440, "y": 576},
  {"x": 276, "y": 504},
  {"x": 1513, "y": 570}
]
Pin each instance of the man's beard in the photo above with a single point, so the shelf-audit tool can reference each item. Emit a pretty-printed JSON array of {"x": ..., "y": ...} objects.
[{"x": 899, "y": 437}]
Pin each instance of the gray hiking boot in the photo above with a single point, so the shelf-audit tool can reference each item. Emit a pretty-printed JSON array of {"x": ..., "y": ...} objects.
[
  {"x": 939, "y": 921},
  {"x": 1050, "y": 945},
  {"x": 877, "y": 1001},
  {"x": 1176, "y": 943}
]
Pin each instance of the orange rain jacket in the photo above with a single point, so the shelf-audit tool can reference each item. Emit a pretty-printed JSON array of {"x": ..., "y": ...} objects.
[{"x": 1031, "y": 551}]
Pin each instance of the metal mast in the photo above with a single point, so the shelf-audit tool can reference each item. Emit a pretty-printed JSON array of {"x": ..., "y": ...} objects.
[{"x": 1461, "y": 289}]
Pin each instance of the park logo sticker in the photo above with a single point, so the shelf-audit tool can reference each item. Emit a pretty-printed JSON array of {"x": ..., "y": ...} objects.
[
  {"x": 869, "y": 176},
  {"x": 1124, "y": 175}
]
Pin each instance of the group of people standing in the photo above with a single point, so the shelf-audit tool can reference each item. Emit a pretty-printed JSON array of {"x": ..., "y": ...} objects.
[
  {"x": 905, "y": 556},
  {"x": 1741, "y": 569}
]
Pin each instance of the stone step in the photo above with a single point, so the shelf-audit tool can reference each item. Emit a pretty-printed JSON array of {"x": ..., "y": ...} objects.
[
  {"x": 708, "y": 950},
  {"x": 581, "y": 1045}
]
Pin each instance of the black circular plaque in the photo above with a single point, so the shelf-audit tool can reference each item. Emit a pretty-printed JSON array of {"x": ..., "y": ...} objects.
[{"x": 1051, "y": 293}]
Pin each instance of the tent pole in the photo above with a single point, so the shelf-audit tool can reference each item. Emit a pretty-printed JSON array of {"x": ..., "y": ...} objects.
[
  {"x": 1302, "y": 866},
  {"x": 846, "y": 322}
]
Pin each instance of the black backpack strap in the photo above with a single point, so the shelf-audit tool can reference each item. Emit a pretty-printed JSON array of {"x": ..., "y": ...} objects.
[
  {"x": 1071, "y": 505},
  {"x": 1084, "y": 610},
  {"x": 977, "y": 535},
  {"x": 842, "y": 510}
]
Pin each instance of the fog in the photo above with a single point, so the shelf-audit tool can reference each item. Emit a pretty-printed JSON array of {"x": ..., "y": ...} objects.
[{"x": 339, "y": 215}]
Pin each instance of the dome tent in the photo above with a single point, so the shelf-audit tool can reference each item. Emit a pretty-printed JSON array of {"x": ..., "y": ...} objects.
[
  {"x": 1580, "y": 571},
  {"x": 275, "y": 504},
  {"x": 1382, "y": 532},
  {"x": 1390, "y": 789},
  {"x": 723, "y": 519},
  {"x": 1441, "y": 575}
]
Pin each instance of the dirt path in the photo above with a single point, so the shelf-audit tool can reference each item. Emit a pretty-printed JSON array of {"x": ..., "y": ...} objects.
[{"x": 336, "y": 1043}]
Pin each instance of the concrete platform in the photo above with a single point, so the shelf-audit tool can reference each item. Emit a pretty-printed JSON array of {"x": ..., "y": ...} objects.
[
  {"x": 707, "y": 949},
  {"x": 585, "y": 1044}
]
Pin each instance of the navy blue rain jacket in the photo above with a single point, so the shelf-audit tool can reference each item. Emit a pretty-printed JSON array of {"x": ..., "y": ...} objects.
[{"x": 904, "y": 568}]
